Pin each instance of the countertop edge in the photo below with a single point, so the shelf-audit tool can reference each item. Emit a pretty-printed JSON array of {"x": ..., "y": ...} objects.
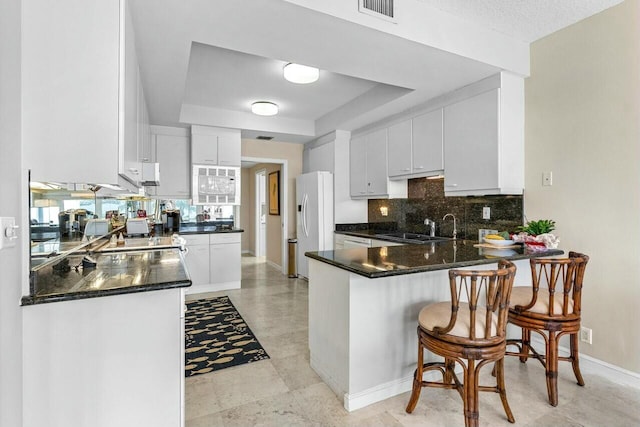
[
  {"x": 187, "y": 232},
  {"x": 29, "y": 300},
  {"x": 427, "y": 268}
]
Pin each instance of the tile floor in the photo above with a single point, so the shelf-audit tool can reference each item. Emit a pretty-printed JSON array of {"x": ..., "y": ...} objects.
[{"x": 285, "y": 391}]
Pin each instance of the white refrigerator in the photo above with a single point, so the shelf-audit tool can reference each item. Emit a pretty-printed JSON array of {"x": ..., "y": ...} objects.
[{"x": 314, "y": 202}]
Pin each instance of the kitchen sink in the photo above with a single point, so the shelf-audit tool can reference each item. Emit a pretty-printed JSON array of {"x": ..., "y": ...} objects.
[{"x": 411, "y": 237}]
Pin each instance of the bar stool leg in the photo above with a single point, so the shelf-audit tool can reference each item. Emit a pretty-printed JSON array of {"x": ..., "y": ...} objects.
[
  {"x": 471, "y": 414},
  {"x": 551, "y": 367},
  {"x": 526, "y": 342},
  {"x": 574, "y": 358},
  {"x": 449, "y": 368},
  {"x": 499, "y": 370},
  {"x": 417, "y": 381}
]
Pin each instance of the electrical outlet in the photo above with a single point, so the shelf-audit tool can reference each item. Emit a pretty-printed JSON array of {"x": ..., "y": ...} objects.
[
  {"x": 586, "y": 335},
  {"x": 486, "y": 212},
  {"x": 8, "y": 232}
]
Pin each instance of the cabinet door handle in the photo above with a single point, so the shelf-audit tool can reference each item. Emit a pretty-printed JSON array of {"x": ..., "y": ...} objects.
[
  {"x": 209, "y": 160},
  {"x": 418, "y": 167},
  {"x": 451, "y": 185},
  {"x": 145, "y": 159},
  {"x": 406, "y": 170},
  {"x": 134, "y": 171}
]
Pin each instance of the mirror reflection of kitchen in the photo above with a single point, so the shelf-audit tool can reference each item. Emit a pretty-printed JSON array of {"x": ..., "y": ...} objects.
[{"x": 64, "y": 216}]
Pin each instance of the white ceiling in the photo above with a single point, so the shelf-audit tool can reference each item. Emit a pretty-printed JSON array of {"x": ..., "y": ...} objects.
[
  {"x": 526, "y": 20},
  {"x": 206, "y": 61}
]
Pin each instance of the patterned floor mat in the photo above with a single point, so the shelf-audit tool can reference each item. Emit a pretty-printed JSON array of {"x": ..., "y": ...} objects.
[{"x": 217, "y": 337}]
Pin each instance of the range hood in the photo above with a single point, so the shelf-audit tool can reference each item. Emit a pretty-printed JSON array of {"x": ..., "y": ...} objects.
[{"x": 150, "y": 174}]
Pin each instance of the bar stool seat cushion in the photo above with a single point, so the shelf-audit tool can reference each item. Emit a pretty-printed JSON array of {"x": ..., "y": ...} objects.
[
  {"x": 439, "y": 315},
  {"x": 521, "y": 295}
]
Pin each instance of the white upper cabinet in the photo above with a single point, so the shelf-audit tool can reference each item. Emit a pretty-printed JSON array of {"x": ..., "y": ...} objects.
[
  {"x": 215, "y": 146},
  {"x": 368, "y": 168},
  {"x": 376, "y": 153},
  {"x": 358, "y": 167},
  {"x": 79, "y": 103},
  {"x": 484, "y": 142},
  {"x": 131, "y": 126},
  {"x": 229, "y": 147},
  {"x": 399, "y": 149},
  {"x": 427, "y": 144},
  {"x": 172, "y": 154},
  {"x": 415, "y": 146}
]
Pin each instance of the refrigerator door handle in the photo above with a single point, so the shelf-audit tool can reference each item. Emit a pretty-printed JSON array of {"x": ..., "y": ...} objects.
[{"x": 305, "y": 201}]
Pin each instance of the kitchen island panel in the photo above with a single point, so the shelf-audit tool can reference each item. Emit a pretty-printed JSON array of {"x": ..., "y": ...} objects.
[
  {"x": 101, "y": 362},
  {"x": 362, "y": 332}
]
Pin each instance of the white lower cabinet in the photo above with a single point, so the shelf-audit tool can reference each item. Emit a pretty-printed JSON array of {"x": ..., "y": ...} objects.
[
  {"x": 224, "y": 263},
  {"x": 107, "y": 361},
  {"x": 197, "y": 259},
  {"x": 343, "y": 241},
  {"x": 213, "y": 262}
]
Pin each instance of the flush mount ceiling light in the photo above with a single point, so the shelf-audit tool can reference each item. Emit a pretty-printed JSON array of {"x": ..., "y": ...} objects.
[
  {"x": 264, "y": 108},
  {"x": 301, "y": 74}
]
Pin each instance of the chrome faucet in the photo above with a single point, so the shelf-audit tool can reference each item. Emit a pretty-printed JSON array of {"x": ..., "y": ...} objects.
[
  {"x": 432, "y": 225},
  {"x": 455, "y": 231}
]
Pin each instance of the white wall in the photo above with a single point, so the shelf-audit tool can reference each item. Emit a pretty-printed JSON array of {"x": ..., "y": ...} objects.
[
  {"x": 583, "y": 124},
  {"x": 331, "y": 153},
  {"x": 12, "y": 186}
]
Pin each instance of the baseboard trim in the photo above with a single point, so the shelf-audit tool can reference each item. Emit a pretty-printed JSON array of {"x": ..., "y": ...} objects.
[
  {"x": 328, "y": 379},
  {"x": 211, "y": 287},
  {"x": 594, "y": 366},
  {"x": 274, "y": 265},
  {"x": 353, "y": 401}
]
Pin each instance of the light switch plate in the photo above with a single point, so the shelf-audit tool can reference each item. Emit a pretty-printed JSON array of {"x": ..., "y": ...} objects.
[
  {"x": 547, "y": 178},
  {"x": 486, "y": 212},
  {"x": 8, "y": 232}
]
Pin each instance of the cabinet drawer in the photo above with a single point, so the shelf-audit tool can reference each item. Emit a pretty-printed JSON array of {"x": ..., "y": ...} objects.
[
  {"x": 216, "y": 238},
  {"x": 196, "y": 239}
]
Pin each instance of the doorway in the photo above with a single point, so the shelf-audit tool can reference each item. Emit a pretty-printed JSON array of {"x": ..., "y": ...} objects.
[
  {"x": 276, "y": 232},
  {"x": 261, "y": 215}
]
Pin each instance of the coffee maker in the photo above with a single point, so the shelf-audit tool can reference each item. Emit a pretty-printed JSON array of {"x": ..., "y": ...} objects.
[{"x": 171, "y": 220}]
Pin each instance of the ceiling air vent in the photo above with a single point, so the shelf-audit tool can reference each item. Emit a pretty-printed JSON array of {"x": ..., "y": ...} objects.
[
  {"x": 380, "y": 8},
  {"x": 264, "y": 138}
]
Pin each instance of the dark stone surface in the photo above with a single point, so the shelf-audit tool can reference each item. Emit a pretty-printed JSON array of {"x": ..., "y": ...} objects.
[
  {"x": 427, "y": 200},
  {"x": 408, "y": 259},
  {"x": 205, "y": 229},
  {"x": 366, "y": 227},
  {"x": 115, "y": 273}
]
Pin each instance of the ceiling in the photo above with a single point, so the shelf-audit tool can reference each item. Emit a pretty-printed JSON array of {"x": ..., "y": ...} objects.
[
  {"x": 526, "y": 20},
  {"x": 204, "y": 62}
]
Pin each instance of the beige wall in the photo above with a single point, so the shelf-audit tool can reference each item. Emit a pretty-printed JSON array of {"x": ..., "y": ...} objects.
[
  {"x": 583, "y": 124},
  {"x": 246, "y": 215},
  {"x": 292, "y": 153}
]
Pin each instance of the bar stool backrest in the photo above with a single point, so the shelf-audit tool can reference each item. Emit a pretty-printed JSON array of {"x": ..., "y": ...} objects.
[
  {"x": 487, "y": 294},
  {"x": 561, "y": 283}
]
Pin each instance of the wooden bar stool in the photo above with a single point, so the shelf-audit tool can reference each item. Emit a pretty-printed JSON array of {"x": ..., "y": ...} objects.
[
  {"x": 551, "y": 307},
  {"x": 467, "y": 333}
]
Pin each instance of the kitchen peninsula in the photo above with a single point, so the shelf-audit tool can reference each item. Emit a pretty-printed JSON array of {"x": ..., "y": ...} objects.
[
  {"x": 106, "y": 338},
  {"x": 364, "y": 305}
]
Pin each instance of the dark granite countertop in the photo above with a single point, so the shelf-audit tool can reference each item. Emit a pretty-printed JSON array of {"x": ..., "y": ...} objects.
[
  {"x": 407, "y": 259},
  {"x": 206, "y": 229},
  {"x": 115, "y": 273}
]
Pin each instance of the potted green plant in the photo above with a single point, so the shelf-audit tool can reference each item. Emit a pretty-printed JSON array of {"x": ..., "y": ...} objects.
[
  {"x": 537, "y": 234},
  {"x": 535, "y": 228}
]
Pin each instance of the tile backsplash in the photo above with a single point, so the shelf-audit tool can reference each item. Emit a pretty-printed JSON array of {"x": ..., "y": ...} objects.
[{"x": 427, "y": 200}]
